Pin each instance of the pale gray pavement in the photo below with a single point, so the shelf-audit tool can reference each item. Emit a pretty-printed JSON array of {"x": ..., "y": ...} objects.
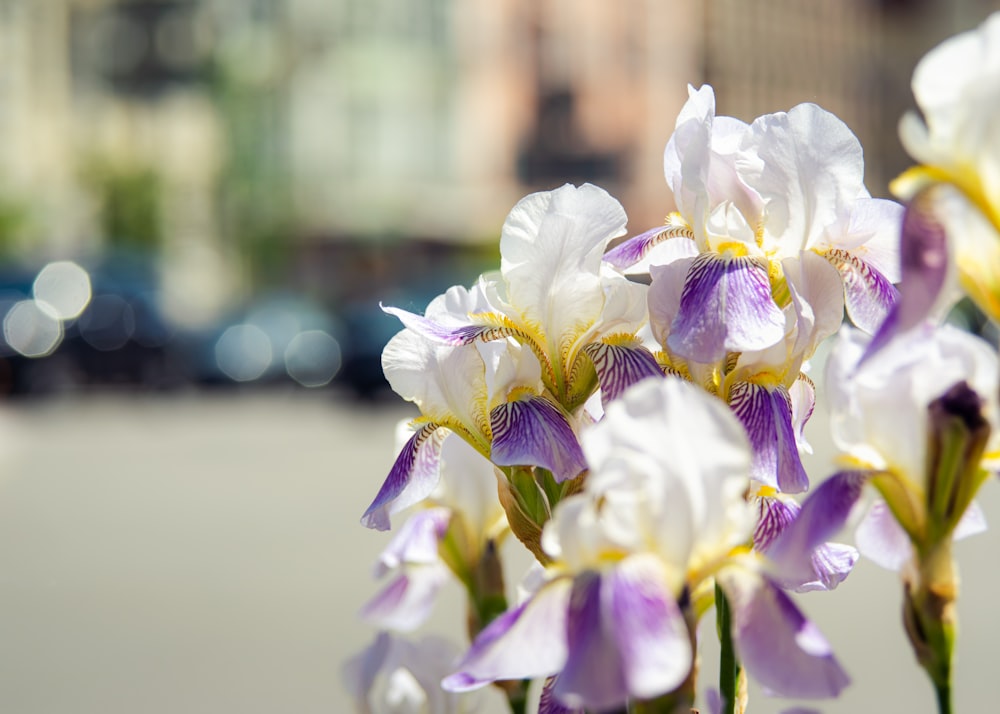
[{"x": 203, "y": 554}]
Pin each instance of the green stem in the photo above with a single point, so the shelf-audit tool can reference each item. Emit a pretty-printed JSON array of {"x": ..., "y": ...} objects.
[
  {"x": 729, "y": 666},
  {"x": 943, "y": 692}
]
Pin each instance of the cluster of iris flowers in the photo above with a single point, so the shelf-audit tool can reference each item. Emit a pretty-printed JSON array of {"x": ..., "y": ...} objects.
[{"x": 632, "y": 411}]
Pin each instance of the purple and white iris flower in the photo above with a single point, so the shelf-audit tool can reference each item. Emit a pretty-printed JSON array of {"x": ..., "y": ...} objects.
[
  {"x": 555, "y": 296},
  {"x": 751, "y": 197},
  {"x": 489, "y": 393},
  {"x": 398, "y": 676},
  {"x": 957, "y": 144},
  {"x": 662, "y": 517},
  {"x": 894, "y": 416},
  {"x": 462, "y": 512},
  {"x": 766, "y": 388}
]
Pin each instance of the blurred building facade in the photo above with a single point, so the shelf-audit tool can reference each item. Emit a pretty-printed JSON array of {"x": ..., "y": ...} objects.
[{"x": 351, "y": 144}]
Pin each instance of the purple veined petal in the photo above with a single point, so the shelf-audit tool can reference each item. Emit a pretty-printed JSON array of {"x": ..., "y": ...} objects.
[
  {"x": 776, "y": 514},
  {"x": 868, "y": 295},
  {"x": 629, "y": 252},
  {"x": 592, "y": 676},
  {"x": 726, "y": 306},
  {"x": 923, "y": 266},
  {"x": 881, "y": 539},
  {"x": 620, "y": 366},
  {"x": 548, "y": 704},
  {"x": 831, "y": 562},
  {"x": 416, "y": 542},
  {"x": 651, "y": 633},
  {"x": 823, "y": 514},
  {"x": 766, "y": 414},
  {"x": 527, "y": 641},
  {"x": 532, "y": 431},
  {"x": 412, "y": 478},
  {"x": 455, "y": 335},
  {"x": 407, "y": 601},
  {"x": 778, "y": 646}
]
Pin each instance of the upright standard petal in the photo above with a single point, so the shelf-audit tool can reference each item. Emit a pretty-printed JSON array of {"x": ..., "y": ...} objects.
[{"x": 778, "y": 646}]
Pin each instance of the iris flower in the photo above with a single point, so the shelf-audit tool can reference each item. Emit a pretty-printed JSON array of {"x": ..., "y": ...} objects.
[
  {"x": 555, "y": 296},
  {"x": 766, "y": 388},
  {"x": 663, "y": 516},
  {"x": 749, "y": 198},
  {"x": 458, "y": 529},
  {"x": 490, "y": 394},
  {"x": 957, "y": 145}
]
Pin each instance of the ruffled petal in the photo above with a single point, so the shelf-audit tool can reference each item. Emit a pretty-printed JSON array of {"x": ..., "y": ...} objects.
[
  {"x": 778, "y": 646},
  {"x": 619, "y": 366},
  {"x": 412, "y": 478},
  {"x": 551, "y": 249},
  {"x": 868, "y": 295},
  {"x": 527, "y": 641},
  {"x": 532, "y": 431},
  {"x": 726, "y": 306},
  {"x": 823, "y": 514},
  {"x": 808, "y": 167},
  {"x": 766, "y": 414}
]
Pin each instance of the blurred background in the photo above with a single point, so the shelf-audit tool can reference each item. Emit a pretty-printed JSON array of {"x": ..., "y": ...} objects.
[{"x": 202, "y": 203}]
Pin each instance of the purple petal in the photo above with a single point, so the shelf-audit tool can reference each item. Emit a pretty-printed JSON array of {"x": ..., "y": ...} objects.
[
  {"x": 775, "y": 516},
  {"x": 412, "y": 478},
  {"x": 831, "y": 562},
  {"x": 631, "y": 251},
  {"x": 726, "y": 306},
  {"x": 527, "y": 641},
  {"x": 593, "y": 676},
  {"x": 778, "y": 646},
  {"x": 620, "y": 366},
  {"x": 454, "y": 335},
  {"x": 532, "y": 431},
  {"x": 823, "y": 513},
  {"x": 868, "y": 295},
  {"x": 416, "y": 542},
  {"x": 923, "y": 266},
  {"x": 406, "y": 602},
  {"x": 882, "y": 540},
  {"x": 649, "y": 627},
  {"x": 766, "y": 414}
]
